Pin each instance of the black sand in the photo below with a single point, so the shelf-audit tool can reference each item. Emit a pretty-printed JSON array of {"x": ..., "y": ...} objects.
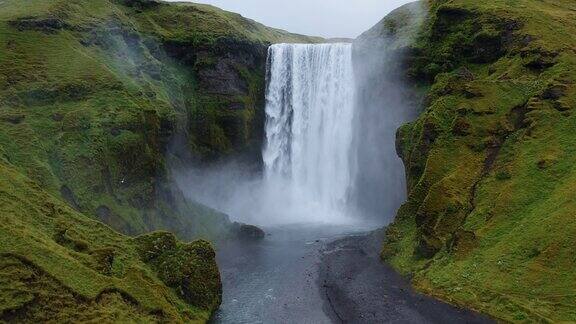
[{"x": 311, "y": 274}]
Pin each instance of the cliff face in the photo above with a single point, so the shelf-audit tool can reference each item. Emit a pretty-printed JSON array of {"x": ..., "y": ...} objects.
[
  {"x": 489, "y": 222},
  {"x": 97, "y": 98}
]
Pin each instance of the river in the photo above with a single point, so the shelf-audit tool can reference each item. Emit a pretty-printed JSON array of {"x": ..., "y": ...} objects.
[{"x": 321, "y": 274}]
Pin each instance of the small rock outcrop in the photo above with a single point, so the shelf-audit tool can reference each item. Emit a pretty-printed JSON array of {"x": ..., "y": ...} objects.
[{"x": 247, "y": 232}]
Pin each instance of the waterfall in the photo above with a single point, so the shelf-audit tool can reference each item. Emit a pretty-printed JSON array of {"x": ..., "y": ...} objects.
[
  {"x": 309, "y": 133},
  {"x": 332, "y": 111}
]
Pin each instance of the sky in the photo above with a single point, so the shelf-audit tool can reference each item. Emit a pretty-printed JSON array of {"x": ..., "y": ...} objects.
[{"x": 326, "y": 18}]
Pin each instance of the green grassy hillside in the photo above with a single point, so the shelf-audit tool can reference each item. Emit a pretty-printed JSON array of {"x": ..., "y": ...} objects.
[
  {"x": 57, "y": 265},
  {"x": 490, "y": 219},
  {"x": 97, "y": 99}
]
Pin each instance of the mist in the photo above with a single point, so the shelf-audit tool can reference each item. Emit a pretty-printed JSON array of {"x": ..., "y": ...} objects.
[
  {"x": 329, "y": 155},
  {"x": 384, "y": 102}
]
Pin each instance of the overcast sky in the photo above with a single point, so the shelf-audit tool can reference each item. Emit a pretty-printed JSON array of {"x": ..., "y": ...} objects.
[{"x": 327, "y": 18}]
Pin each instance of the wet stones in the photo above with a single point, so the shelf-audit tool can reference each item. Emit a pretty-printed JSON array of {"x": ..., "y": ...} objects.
[{"x": 247, "y": 232}]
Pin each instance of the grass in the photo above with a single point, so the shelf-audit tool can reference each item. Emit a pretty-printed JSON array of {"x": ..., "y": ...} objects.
[
  {"x": 92, "y": 94},
  {"x": 489, "y": 220},
  {"x": 56, "y": 264},
  {"x": 203, "y": 25},
  {"x": 96, "y": 99}
]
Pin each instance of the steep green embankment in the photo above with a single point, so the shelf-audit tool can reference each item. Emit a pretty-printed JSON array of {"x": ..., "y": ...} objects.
[
  {"x": 96, "y": 99},
  {"x": 490, "y": 222},
  {"x": 57, "y": 265},
  {"x": 95, "y": 94}
]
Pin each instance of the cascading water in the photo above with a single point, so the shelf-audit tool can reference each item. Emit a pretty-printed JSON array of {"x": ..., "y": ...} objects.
[
  {"x": 309, "y": 119},
  {"x": 329, "y": 156}
]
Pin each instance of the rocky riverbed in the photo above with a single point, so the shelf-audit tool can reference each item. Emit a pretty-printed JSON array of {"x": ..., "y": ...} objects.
[{"x": 321, "y": 274}]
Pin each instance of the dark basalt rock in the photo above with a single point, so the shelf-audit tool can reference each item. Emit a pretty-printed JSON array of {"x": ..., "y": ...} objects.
[
  {"x": 57, "y": 117},
  {"x": 14, "y": 119},
  {"x": 115, "y": 131},
  {"x": 220, "y": 76},
  {"x": 554, "y": 92},
  {"x": 237, "y": 106},
  {"x": 48, "y": 25},
  {"x": 429, "y": 135},
  {"x": 447, "y": 18},
  {"x": 487, "y": 47},
  {"x": 247, "y": 232},
  {"x": 461, "y": 127},
  {"x": 539, "y": 59},
  {"x": 465, "y": 75},
  {"x": 223, "y": 79},
  {"x": 428, "y": 247},
  {"x": 226, "y": 71},
  {"x": 106, "y": 215},
  {"x": 69, "y": 197},
  {"x": 140, "y": 4}
]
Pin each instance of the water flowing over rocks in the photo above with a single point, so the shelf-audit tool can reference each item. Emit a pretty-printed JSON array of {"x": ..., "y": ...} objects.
[{"x": 309, "y": 113}]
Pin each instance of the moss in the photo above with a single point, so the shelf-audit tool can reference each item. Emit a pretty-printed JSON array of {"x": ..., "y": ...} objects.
[
  {"x": 205, "y": 24},
  {"x": 58, "y": 265},
  {"x": 101, "y": 123},
  {"x": 92, "y": 95},
  {"x": 184, "y": 267},
  {"x": 488, "y": 223}
]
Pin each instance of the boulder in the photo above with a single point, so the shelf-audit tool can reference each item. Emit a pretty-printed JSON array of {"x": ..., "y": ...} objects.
[{"x": 247, "y": 232}]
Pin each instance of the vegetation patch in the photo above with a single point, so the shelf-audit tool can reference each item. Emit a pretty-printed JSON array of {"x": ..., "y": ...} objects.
[
  {"x": 489, "y": 219},
  {"x": 104, "y": 95},
  {"x": 59, "y": 265},
  {"x": 97, "y": 99}
]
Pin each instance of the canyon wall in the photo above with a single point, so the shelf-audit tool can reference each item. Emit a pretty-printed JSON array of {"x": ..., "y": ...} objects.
[
  {"x": 489, "y": 220},
  {"x": 98, "y": 100}
]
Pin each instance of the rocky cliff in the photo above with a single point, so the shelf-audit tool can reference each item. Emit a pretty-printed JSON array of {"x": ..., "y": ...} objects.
[
  {"x": 489, "y": 222},
  {"x": 97, "y": 99}
]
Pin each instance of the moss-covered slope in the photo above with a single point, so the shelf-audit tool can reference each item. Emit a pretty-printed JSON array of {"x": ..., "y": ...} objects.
[
  {"x": 57, "y": 265},
  {"x": 490, "y": 219},
  {"x": 97, "y": 97}
]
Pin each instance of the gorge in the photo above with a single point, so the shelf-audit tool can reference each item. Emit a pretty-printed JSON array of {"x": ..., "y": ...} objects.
[
  {"x": 312, "y": 265},
  {"x": 175, "y": 162}
]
